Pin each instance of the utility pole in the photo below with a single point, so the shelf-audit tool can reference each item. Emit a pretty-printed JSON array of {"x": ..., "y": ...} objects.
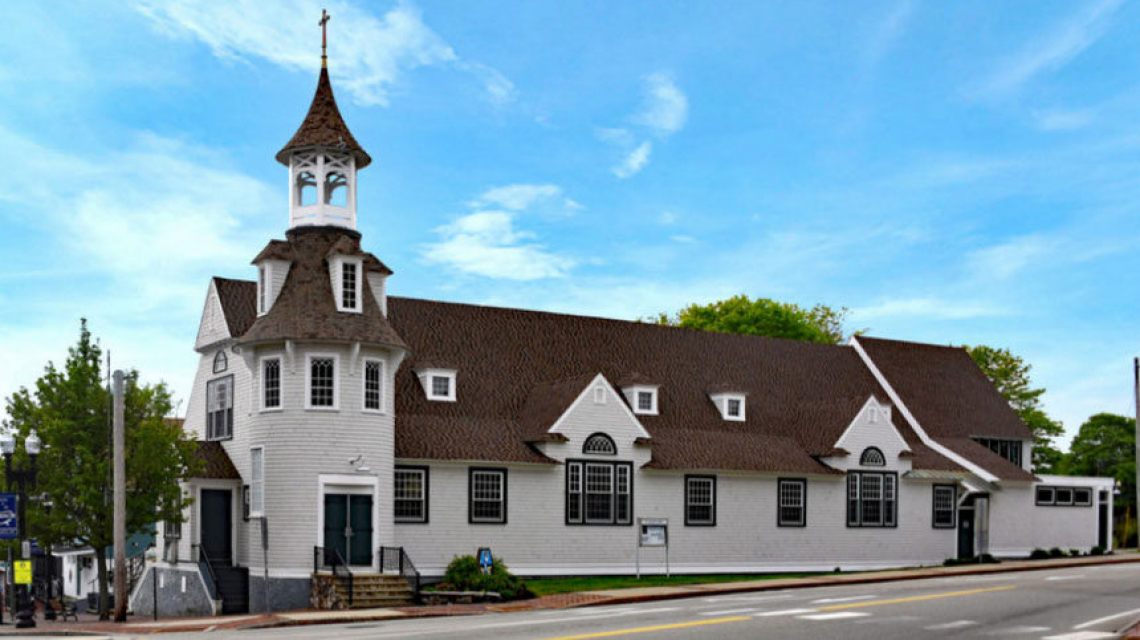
[{"x": 120, "y": 527}]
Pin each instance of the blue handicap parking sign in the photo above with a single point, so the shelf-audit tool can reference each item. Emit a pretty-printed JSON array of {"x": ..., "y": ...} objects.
[
  {"x": 9, "y": 520},
  {"x": 485, "y": 557}
]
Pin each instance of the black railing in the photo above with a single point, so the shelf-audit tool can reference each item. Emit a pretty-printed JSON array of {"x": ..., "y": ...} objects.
[
  {"x": 396, "y": 559},
  {"x": 332, "y": 559},
  {"x": 207, "y": 571}
]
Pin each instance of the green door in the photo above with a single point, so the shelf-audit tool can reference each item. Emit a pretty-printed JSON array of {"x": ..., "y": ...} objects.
[
  {"x": 360, "y": 544},
  {"x": 336, "y": 527}
]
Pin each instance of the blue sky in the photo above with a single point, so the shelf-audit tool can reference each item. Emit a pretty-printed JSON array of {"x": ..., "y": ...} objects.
[{"x": 963, "y": 172}]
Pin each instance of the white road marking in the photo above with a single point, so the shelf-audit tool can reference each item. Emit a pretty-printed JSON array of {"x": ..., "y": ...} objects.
[
  {"x": 1066, "y": 577},
  {"x": 1082, "y": 635},
  {"x": 835, "y": 615},
  {"x": 957, "y": 624},
  {"x": 453, "y": 627},
  {"x": 849, "y": 599},
  {"x": 785, "y": 612},
  {"x": 1019, "y": 630},
  {"x": 1091, "y": 623},
  {"x": 728, "y": 612},
  {"x": 724, "y": 599}
]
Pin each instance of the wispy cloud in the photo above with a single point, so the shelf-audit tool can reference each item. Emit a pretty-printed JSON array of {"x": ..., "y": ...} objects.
[
  {"x": 1062, "y": 119},
  {"x": 368, "y": 54},
  {"x": 664, "y": 111},
  {"x": 1052, "y": 50},
  {"x": 1003, "y": 260},
  {"x": 486, "y": 243},
  {"x": 929, "y": 308},
  {"x": 887, "y": 32}
]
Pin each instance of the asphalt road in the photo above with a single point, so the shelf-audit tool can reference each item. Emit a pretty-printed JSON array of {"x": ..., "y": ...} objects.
[{"x": 1085, "y": 603}]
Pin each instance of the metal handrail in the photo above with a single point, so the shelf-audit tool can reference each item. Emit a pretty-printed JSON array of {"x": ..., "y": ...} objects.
[
  {"x": 322, "y": 557},
  {"x": 403, "y": 563},
  {"x": 212, "y": 580}
]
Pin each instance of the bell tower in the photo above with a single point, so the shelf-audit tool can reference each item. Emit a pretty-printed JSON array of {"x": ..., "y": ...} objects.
[{"x": 323, "y": 159}]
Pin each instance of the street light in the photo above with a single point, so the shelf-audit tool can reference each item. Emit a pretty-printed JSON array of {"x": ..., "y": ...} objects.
[{"x": 25, "y": 479}]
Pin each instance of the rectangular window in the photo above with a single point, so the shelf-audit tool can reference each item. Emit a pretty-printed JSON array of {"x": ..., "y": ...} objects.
[
  {"x": 487, "y": 489},
  {"x": 871, "y": 499},
  {"x": 700, "y": 501},
  {"x": 1082, "y": 497},
  {"x": 322, "y": 382},
  {"x": 1008, "y": 449},
  {"x": 348, "y": 285},
  {"x": 172, "y": 530},
  {"x": 220, "y": 408},
  {"x": 411, "y": 494},
  {"x": 599, "y": 493},
  {"x": 262, "y": 290},
  {"x": 792, "y": 508},
  {"x": 1064, "y": 496},
  {"x": 1045, "y": 495},
  {"x": 271, "y": 383},
  {"x": 734, "y": 407},
  {"x": 441, "y": 386},
  {"x": 945, "y": 501},
  {"x": 373, "y": 384},
  {"x": 256, "y": 481},
  {"x": 645, "y": 402}
]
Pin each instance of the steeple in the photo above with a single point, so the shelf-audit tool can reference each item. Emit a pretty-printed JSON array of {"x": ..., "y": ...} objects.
[{"x": 323, "y": 158}]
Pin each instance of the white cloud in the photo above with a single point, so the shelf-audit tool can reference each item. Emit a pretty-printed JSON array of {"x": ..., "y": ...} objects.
[
  {"x": 931, "y": 308},
  {"x": 667, "y": 218},
  {"x": 887, "y": 32},
  {"x": 683, "y": 239},
  {"x": 367, "y": 54},
  {"x": 634, "y": 161},
  {"x": 1062, "y": 119},
  {"x": 666, "y": 107},
  {"x": 1001, "y": 261},
  {"x": 486, "y": 243},
  {"x": 1054, "y": 50}
]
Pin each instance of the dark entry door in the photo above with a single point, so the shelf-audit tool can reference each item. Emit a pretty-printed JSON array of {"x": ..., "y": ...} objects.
[
  {"x": 966, "y": 533},
  {"x": 217, "y": 524},
  {"x": 336, "y": 524},
  {"x": 348, "y": 528},
  {"x": 360, "y": 517},
  {"x": 1102, "y": 521}
]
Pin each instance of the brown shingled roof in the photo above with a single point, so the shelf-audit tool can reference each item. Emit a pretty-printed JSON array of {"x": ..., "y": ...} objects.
[
  {"x": 324, "y": 127},
  {"x": 986, "y": 459},
  {"x": 306, "y": 309},
  {"x": 216, "y": 462},
  {"x": 546, "y": 402},
  {"x": 461, "y": 438},
  {"x": 727, "y": 451},
  {"x": 239, "y": 303}
]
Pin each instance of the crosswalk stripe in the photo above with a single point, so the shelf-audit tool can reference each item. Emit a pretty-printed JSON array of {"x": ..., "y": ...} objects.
[
  {"x": 785, "y": 612},
  {"x": 838, "y": 615}
]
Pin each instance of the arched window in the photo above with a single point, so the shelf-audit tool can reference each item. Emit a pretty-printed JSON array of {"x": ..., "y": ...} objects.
[
  {"x": 600, "y": 443},
  {"x": 306, "y": 189},
  {"x": 336, "y": 191},
  {"x": 220, "y": 362},
  {"x": 872, "y": 457}
]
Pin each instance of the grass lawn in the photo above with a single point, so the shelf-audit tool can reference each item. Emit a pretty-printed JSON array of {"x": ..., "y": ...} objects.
[{"x": 550, "y": 586}]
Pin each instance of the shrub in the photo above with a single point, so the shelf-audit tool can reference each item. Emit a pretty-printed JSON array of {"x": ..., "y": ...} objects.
[
  {"x": 986, "y": 558},
  {"x": 1056, "y": 552},
  {"x": 463, "y": 574},
  {"x": 1039, "y": 554},
  {"x": 1076, "y": 553},
  {"x": 1097, "y": 551}
]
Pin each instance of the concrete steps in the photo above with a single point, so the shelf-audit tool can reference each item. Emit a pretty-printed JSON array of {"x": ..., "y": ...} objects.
[{"x": 371, "y": 590}]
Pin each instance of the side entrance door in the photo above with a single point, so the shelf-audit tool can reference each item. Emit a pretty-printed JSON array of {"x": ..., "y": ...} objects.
[
  {"x": 348, "y": 528},
  {"x": 966, "y": 533},
  {"x": 1102, "y": 521},
  {"x": 217, "y": 525}
]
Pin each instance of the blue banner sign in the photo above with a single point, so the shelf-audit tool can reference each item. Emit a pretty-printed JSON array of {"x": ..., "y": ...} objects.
[
  {"x": 9, "y": 520},
  {"x": 485, "y": 559}
]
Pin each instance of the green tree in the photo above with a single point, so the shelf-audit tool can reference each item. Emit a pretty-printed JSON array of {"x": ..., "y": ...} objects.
[
  {"x": 1010, "y": 374},
  {"x": 762, "y": 317},
  {"x": 69, "y": 409},
  {"x": 1106, "y": 446}
]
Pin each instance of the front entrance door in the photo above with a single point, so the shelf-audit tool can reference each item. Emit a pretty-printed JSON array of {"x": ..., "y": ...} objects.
[
  {"x": 1102, "y": 521},
  {"x": 217, "y": 524},
  {"x": 966, "y": 533},
  {"x": 348, "y": 528}
]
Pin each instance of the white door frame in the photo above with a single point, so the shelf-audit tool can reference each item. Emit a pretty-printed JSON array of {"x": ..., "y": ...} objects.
[{"x": 353, "y": 485}]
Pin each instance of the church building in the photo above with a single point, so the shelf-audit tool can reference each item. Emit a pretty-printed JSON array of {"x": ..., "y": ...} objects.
[{"x": 345, "y": 432}]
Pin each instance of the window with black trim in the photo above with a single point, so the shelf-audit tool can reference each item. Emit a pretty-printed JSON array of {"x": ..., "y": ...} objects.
[
  {"x": 1045, "y": 495},
  {"x": 441, "y": 386},
  {"x": 1082, "y": 497},
  {"x": 221, "y": 362},
  {"x": 600, "y": 444},
  {"x": 792, "y": 508},
  {"x": 1008, "y": 449},
  {"x": 599, "y": 493},
  {"x": 945, "y": 502},
  {"x": 700, "y": 501},
  {"x": 373, "y": 384},
  {"x": 1063, "y": 497},
  {"x": 271, "y": 383},
  {"x": 487, "y": 496},
  {"x": 872, "y": 499},
  {"x": 872, "y": 457},
  {"x": 410, "y": 501},
  {"x": 734, "y": 407},
  {"x": 220, "y": 408}
]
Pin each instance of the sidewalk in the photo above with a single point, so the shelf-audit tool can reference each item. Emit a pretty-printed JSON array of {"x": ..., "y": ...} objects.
[{"x": 90, "y": 626}]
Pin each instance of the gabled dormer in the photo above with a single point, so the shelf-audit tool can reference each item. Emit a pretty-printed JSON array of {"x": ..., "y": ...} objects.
[
  {"x": 438, "y": 381},
  {"x": 347, "y": 274},
  {"x": 272, "y": 267},
  {"x": 641, "y": 393},
  {"x": 730, "y": 401}
]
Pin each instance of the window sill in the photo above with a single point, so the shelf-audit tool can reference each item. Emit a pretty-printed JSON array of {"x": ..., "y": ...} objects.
[
  {"x": 272, "y": 410},
  {"x": 323, "y": 409},
  {"x": 500, "y": 522},
  {"x": 700, "y": 524},
  {"x": 376, "y": 412},
  {"x": 397, "y": 521},
  {"x": 441, "y": 398},
  {"x": 222, "y": 439},
  {"x": 599, "y": 524},
  {"x": 797, "y": 525}
]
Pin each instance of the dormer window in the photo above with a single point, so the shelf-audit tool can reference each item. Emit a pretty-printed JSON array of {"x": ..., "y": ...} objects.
[
  {"x": 348, "y": 280},
  {"x": 438, "y": 384},
  {"x": 262, "y": 290},
  {"x": 643, "y": 399},
  {"x": 731, "y": 405}
]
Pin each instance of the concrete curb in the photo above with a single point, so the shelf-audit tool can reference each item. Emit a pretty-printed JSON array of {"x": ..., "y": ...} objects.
[{"x": 273, "y": 624}]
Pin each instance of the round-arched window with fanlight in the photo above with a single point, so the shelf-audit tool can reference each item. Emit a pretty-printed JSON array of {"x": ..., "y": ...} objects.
[{"x": 600, "y": 444}]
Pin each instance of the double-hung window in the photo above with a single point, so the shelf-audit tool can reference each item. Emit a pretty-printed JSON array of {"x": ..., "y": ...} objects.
[
  {"x": 487, "y": 492},
  {"x": 871, "y": 499},
  {"x": 257, "y": 482},
  {"x": 348, "y": 286},
  {"x": 945, "y": 501},
  {"x": 599, "y": 493},
  {"x": 700, "y": 501},
  {"x": 220, "y": 408},
  {"x": 373, "y": 385},
  {"x": 792, "y": 507},
  {"x": 271, "y": 383},
  {"x": 411, "y": 494},
  {"x": 322, "y": 382}
]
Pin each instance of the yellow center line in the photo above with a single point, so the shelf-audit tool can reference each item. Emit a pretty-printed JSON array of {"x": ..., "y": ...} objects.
[
  {"x": 661, "y": 627},
  {"x": 932, "y": 596}
]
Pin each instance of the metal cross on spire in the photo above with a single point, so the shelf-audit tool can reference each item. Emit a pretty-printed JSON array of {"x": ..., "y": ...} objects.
[{"x": 324, "y": 38}]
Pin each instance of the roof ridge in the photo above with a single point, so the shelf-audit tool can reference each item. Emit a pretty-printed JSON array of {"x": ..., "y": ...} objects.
[{"x": 913, "y": 342}]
